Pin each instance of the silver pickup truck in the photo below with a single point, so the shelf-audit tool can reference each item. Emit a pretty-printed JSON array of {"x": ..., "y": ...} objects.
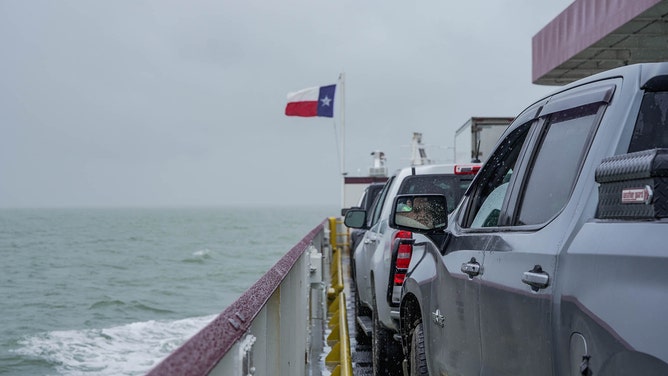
[
  {"x": 380, "y": 259},
  {"x": 556, "y": 260}
]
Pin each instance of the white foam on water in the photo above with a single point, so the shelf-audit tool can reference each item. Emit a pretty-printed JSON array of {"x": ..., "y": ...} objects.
[
  {"x": 204, "y": 253},
  {"x": 131, "y": 349}
]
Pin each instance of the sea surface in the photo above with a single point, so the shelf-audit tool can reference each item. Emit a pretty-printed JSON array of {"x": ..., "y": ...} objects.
[{"x": 114, "y": 291}]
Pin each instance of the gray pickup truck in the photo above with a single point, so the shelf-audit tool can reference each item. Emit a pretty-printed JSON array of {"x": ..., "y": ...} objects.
[{"x": 556, "y": 260}]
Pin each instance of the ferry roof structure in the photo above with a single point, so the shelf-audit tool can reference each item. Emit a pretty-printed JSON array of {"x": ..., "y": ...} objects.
[{"x": 591, "y": 36}]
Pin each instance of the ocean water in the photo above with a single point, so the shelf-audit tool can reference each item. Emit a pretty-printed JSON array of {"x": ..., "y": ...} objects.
[{"x": 114, "y": 291}]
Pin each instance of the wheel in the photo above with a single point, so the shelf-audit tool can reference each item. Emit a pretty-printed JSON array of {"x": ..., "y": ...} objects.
[
  {"x": 418, "y": 358},
  {"x": 386, "y": 352}
]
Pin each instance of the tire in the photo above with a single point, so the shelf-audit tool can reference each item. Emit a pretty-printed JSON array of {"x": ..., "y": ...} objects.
[
  {"x": 418, "y": 357},
  {"x": 387, "y": 354}
]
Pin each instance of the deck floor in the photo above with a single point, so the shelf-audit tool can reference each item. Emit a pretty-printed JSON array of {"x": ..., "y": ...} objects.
[{"x": 360, "y": 352}]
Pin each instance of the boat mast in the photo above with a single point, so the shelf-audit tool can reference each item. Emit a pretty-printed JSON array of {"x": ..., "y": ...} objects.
[
  {"x": 342, "y": 113},
  {"x": 418, "y": 152}
]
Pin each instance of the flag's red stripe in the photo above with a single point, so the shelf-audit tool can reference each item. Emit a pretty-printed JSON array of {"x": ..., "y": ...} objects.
[{"x": 309, "y": 108}]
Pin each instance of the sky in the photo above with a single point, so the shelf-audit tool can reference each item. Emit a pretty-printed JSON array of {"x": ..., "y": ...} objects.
[{"x": 181, "y": 103}]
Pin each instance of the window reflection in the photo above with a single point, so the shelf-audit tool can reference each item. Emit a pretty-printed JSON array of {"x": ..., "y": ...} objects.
[
  {"x": 557, "y": 164},
  {"x": 651, "y": 129},
  {"x": 491, "y": 191}
]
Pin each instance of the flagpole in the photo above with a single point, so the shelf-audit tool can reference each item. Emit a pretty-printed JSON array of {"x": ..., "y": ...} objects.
[{"x": 343, "y": 136}]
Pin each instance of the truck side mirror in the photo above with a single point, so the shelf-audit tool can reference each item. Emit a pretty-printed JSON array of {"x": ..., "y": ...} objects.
[
  {"x": 355, "y": 218},
  {"x": 424, "y": 213}
]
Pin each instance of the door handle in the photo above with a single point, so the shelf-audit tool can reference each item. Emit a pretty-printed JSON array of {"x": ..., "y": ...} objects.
[
  {"x": 369, "y": 240},
  {"x": 536, "y": 278},
  {"x": 472, "y": 268}
]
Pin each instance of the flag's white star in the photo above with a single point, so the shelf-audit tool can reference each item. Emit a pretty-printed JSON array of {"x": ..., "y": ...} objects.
[{"x": 326, "y": 101}]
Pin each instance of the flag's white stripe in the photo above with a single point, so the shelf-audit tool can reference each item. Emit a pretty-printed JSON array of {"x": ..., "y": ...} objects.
[{"x": 308, "y": 94}]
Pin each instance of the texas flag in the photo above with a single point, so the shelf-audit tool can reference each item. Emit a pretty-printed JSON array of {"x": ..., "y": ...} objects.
[{"x": 314, "y": 101}]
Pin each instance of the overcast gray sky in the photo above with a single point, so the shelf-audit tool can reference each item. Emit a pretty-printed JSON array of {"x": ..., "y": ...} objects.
[{"x": 165, "y": 102}]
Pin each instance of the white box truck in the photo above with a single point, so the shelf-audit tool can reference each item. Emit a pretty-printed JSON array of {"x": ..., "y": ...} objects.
[{"x": 477, "y": 137}]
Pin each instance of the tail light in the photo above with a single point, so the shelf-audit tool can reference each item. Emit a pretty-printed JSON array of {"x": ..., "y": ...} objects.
[
  {"x": 404, "y": 253},
  {"x": 467, "y": 169}
]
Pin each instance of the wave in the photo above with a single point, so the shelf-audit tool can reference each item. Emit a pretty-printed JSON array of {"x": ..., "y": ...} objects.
[
  {"x": 114, "y": 307},
  {"x": 131, "y": 349},
  {"x": 199, "y": 256},
  {"x": 119, "y": 305},
  {"x": 102, "y": 304}
]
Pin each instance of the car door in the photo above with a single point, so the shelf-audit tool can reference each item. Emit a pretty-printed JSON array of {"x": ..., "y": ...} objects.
[
  {"x": 450, "y": 307},
  {"x": 365, "y": 251},
  {"x": 457, "y": 291},
  {"x": 522, "y": 222}
]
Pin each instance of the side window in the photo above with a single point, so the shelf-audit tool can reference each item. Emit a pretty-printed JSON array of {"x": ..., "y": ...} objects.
[
  {"x": 490, "y": 190},
  {"x": 557, "y": 163},
  {"x": 363, "y": 199},
  {"x": 651, "y": 130},
  {"x": 379, "y": 205}
]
